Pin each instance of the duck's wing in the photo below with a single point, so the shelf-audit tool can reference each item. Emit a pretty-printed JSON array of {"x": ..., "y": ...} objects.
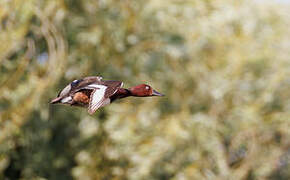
[
  {"x": 113, "y": 87},
  {"x": 87, "y": 81},
  {"x": 102, "y": 93}
]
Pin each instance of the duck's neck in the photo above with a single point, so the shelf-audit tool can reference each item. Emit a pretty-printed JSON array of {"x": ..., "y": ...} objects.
[{"x": 121, "y": 93}]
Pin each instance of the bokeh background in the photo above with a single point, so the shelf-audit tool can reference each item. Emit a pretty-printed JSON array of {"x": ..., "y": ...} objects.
[{"x": 224, "y": 66}]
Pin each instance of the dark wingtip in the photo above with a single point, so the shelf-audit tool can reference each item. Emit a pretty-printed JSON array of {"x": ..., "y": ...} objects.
[{"x": 55, "y": 100}]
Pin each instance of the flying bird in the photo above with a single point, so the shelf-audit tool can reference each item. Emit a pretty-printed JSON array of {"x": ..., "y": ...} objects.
[{"x": 92, "y": 92}]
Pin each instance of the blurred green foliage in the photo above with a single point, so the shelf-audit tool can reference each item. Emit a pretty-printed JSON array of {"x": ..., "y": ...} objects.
[{"x": 224, "y": 66}]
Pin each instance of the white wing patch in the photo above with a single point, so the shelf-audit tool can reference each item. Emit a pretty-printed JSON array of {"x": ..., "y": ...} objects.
[
  {"x": 97, "y": 97},
  {"x": 96, "y": 86}
]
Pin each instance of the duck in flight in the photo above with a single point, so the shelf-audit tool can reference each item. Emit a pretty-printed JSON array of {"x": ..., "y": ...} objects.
[{"x": 92, "y": 92}]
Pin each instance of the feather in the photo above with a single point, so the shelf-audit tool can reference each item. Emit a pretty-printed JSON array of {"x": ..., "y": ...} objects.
[
  {"x": 102, "y": 91},
  {"x": 97, "y": 97}
]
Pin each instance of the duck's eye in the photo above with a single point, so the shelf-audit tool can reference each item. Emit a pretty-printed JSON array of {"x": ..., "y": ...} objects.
[
  {"x": 75, "y": 82},
  {"x": 147, "y": 87}
]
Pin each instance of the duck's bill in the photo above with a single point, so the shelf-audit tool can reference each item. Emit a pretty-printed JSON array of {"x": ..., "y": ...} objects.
[
  {"x": 155, "y": 93},
  {"x": 55, "y": 100}
]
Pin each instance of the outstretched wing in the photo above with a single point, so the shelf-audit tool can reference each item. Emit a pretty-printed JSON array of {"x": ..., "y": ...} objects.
[
  {"x": 102, "y": 93},
  {"x": 97, "y": 98}
]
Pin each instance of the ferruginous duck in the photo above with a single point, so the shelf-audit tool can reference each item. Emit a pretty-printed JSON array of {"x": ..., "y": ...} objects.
[{"x": 93, "y": 92}]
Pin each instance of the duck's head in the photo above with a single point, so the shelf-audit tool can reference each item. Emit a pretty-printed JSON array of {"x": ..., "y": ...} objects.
[{"x": 144, "y": 90}]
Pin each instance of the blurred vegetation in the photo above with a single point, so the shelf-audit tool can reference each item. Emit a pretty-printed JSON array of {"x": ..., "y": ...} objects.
[{"x": 224, "y": 66}]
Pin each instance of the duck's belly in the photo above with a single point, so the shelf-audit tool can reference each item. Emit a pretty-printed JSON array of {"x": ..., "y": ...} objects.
[{"x": 82, "y": 98}]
